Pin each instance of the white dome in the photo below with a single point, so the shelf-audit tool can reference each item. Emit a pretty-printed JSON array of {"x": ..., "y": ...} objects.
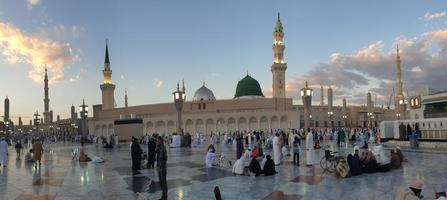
[{"x": 204, "y": 94}]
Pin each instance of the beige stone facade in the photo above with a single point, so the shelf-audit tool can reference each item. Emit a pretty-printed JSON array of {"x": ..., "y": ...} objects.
[{"x": 203, "y": 116}]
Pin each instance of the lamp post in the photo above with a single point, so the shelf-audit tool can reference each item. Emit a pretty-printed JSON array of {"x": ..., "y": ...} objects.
[
  {"x": 345, "y": 119},
  {"x": 83, "y": 110},
  {"x": 330, "y": 113},
  {"x": 36, "y": 121},
  {"x": 373, "y": 120},
  {"x": 306, "y": 95},
  {"x": 179, "y": 98},
  {"x": 369, "y": 114}
]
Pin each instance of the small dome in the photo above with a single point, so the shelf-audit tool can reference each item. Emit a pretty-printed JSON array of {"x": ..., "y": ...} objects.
[
  {"x": 204, "y": 94},
  {"x": 248, "y": 87}
]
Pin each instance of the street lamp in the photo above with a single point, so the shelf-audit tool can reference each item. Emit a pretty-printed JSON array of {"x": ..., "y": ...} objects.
[
  {"x": 330, "y": 113},
  {"x": 306, "y": 95},
  {"x": 179, "y": 98},
  {"x": 83, "y": 110},
  {"x": 345, "y": 118},
  {"x": 36, "y": 120}
]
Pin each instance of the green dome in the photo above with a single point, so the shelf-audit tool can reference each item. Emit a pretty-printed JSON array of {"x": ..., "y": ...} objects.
[{"x": 248, "y": 86}]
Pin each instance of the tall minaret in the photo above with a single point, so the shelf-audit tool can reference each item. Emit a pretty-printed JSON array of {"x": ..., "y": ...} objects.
[
  {"x": 125, "y": 99},
  {"x": 46, "y": 100},
  {"x": 20, "y": 122},
  {"x": 279, "y": 66},
  {"x": 399, "y": 91},
  {"x": 73, "y": 113},
  {"x": 329, "y": 98},
  {"x": 369, "y": 103},
  {"x": 6, "y": 115},
  {"x": 107, "y": 88},
  {"x": 344, "y": 105},
  {"x": 321, "y": 94}
]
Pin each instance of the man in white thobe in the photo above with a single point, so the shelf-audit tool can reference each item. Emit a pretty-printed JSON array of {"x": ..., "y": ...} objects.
[
  {"x": 309, "y": 148},
  {"x": 276, "y": 150},
  {"x": 3, "y": 152}
]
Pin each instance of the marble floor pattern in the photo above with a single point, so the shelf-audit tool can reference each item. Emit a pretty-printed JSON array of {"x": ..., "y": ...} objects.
[{"x": 61, "y": 178}]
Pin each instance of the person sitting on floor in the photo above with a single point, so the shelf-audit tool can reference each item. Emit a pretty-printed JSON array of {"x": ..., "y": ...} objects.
[
  {"x": 29, "y": 156},
  {"x": 83, "y": 157},
  {"x": 210, "y": 159},
  {"x": 382, "y": 159},
  {"x": 440, "y": 192},
  {"x": 414, "y": 191},
  {"x": 395, "y": 160},
  {"x": 256, "y": 151},
  {"x": 239, "y": 165},
  {"x": 254, "y": 167},
  {"x": 355, "y": 166},
  {"x": 370, "y": 163},
  {"x": 269, "y": 168}
]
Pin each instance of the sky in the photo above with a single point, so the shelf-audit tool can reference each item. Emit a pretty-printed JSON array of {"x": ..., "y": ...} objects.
[{"x": 154, "y": 44}]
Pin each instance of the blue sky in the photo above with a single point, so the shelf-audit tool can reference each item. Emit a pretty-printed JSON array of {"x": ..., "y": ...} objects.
[{"x": 154, "y": 44}]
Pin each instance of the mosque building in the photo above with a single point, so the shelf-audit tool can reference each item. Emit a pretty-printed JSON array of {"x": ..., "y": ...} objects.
[{"x": 249, "y": 110}]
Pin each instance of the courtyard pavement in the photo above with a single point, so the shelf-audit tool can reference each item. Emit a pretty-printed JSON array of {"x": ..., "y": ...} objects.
[{"x": 61, "y": 178}]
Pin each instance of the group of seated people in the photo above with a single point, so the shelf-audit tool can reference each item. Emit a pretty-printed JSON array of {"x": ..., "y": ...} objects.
[
  {"x": 266, "y": 168},
  {"x": 374, "y": 160}
]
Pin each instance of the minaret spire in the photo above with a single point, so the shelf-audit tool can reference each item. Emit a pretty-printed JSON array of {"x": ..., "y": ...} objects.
[
  {"x": 107, "y": 72},
  {"x": 399, "y": 91},
  {"x": 46, "y": 100},
  {"x": 321, "y": 94},
  {"x": 125, "y": 98},
  {"x": 183, "y": 85},
  {"x": 107, "y": 88},
  {"x": 107, "y": 60},
  {"x": 279, "y": 66}
]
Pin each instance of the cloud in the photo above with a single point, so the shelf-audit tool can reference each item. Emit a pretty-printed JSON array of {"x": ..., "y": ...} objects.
[
  {"x": 62, "y": 32},
  {"x": 424, "y": 61},
  {"x": 431, "y": 16},
  {"x": 157, "y": 83},
  {"x": 32, "y": 3},
  {"x": 16, "y": 46},
  {"x": 214, "y": 74},
  {"x": 416, "y": 69}
]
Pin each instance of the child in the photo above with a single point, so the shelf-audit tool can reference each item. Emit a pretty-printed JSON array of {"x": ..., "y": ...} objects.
[{"x": 296, "y": 151}]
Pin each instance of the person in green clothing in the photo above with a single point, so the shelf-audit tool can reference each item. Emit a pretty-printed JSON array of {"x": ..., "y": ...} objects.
[{"x": 163, "y": 158}]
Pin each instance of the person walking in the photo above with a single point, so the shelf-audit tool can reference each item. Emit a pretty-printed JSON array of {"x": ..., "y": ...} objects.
[
  {"x": 136, "y": 155},
  {"x": 37, "y": 150},
  {"x": 18, "y": 148},
  {"x": 3, "y": 152},
  {"x": 163, "y": 158},
  {"x": 151, "y": 153},
  {"x": 309, "y": 148},
  {"x": 296, "y": 151}
]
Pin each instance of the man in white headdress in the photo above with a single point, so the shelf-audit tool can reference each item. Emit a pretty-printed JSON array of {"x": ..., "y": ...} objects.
[
  {"x": 276, "y": 149},
  {"x": 309, "y": 148}
]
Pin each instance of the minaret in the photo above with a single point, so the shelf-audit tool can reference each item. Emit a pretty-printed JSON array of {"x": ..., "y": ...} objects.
[
  {"x": 107, "y": 88},
  {"x": 20, "y": 122},
  {"x": 46, "y": 100},
  {"x": 6, "y": 115},
  {"x": 73, "y": 113},
  {"x": 368, "y": 101},
  {"x": 344, "y": 105},
  {"x": 321, "y": 94},
  {"x": 279, "y": 66},
  {"x": 399, "y": 92},
  {"x": 329, "y": 98},
  {"x": 125, "y": 99}
]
